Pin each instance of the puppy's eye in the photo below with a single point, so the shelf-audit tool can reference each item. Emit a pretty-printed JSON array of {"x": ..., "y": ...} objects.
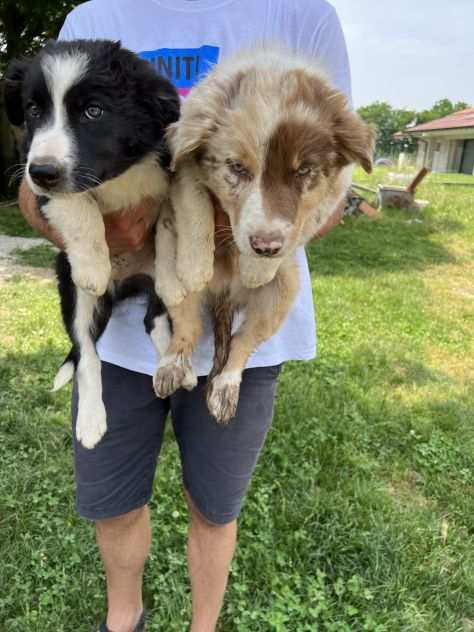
[
  {"x": 93, "y": 112},
  {"x": 33, "y": 110},
  {"x": 303, "y": 171},
  {"x": 238, "y": 169}
]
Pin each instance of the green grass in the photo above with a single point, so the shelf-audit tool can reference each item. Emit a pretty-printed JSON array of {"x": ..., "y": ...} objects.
[
  {"x": 13, "y": 223},
  {"x": 42, "y": 256},
  {"x": 361, "y": 514}
]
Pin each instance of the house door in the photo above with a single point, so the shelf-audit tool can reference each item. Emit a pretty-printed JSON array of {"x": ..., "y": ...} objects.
[{"x": 467, "y": 163}]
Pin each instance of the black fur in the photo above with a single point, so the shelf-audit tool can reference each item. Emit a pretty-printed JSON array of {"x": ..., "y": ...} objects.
[
  {"x": 136, "y": 106},
  {"x": 138, "y": 284}
]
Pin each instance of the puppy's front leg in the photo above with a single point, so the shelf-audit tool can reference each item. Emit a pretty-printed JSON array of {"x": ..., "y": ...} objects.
[
  {"x": 194, "y": 213},
  {"x": 175, "y": 368},
  {"x": 81, "y": 226},
  {"x": 266, "y": 310},
  {"x": 91, "y": 422},
  {"x": 168, "y": 287}
]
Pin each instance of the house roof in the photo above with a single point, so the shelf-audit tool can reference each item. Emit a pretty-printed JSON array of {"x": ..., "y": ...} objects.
[{"x": 464, "y": 118}]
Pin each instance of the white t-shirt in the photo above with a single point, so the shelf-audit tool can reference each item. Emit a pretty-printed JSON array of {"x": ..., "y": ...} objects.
[{"x": 182, "y": 38}]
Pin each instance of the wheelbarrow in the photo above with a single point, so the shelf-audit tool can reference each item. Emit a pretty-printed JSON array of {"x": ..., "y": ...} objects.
[{"x": 402, "y": 197}]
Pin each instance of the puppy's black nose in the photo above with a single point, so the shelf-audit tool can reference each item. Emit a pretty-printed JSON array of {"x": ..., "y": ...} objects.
[
  {"x": 266, "y": 244},
  {"x": 45, "y": 175}
]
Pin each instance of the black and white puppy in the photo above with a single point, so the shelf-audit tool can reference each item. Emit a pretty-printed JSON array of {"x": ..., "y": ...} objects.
[{"x": 94, "y": 116}]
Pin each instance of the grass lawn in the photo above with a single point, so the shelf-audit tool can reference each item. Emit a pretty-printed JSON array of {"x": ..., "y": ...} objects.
[
  {"x": 42, "y": 256},
  {"x": 12, "y": 223},
  {"x": 361, "y": 514}
]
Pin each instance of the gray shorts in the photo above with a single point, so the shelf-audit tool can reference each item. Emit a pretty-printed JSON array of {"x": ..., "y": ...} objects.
[{"x": 217, "y": 461}]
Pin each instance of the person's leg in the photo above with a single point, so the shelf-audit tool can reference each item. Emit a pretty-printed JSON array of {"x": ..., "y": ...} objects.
[
  {"x": 218, "y": 463},
  {"x": 210, "y": 551},
  {"x": 124, "y": 543},
  {"x": 114, "y": 484}
]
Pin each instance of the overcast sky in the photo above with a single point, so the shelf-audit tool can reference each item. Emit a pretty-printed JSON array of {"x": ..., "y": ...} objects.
[{"x": 410, "y": 53}]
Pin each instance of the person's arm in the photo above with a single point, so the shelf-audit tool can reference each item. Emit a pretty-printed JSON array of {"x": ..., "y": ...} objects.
[
  {"x": 328, "y": 45},
  {"x": 30, "y": 211},
  {"x": 125, "y": 231},
  {"x": 332, "y": 222}
]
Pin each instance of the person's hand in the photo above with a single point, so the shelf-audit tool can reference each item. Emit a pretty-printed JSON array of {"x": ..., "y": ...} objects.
[
  {"x": 332, "y": 222},
  {"x": 30, "y": 211},
  {"x": 126, "y": 231},
  {"x": 131, "y": 229}
]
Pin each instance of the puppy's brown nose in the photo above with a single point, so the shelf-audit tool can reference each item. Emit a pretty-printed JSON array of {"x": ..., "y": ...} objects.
[{"x": 266, "y": 244}]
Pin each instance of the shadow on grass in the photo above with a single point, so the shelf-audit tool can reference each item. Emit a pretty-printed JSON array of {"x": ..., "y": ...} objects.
[{"x": 362, "y": 247}]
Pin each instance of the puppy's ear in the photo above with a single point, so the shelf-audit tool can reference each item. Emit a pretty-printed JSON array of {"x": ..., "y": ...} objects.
[
  {"x": 164, "y": 101},
  {"x": 355, "y": 140},
  {"x": 187, "y": 136},
  {"x": 202, "y": 114},
  {"x": 13, "y": 83}
]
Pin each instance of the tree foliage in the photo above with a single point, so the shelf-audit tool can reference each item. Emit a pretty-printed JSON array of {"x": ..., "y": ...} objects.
[
  {"x": 26, "y": 24},
  {"x": 441, "y": 108},
  {"x": 389, "y": 120}
]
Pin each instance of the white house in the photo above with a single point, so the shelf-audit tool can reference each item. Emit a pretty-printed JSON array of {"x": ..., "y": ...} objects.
[{"x": 446, "y": 144}]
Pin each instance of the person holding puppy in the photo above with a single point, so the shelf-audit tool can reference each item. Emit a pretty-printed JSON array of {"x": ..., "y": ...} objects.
[{"x": 182, "y": 39}]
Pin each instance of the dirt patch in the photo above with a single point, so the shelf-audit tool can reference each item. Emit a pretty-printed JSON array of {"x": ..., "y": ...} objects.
[
  {"x": 10, "y": 270},
  {"x": 405, "y": 492}
]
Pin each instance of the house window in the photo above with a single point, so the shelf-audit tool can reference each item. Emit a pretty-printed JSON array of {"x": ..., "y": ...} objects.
[{"x": 437, "y": 147}]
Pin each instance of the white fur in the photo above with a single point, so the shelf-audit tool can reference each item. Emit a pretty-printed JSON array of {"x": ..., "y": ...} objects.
[
  {"x": 227, "y": 378},
  {"x": 142, "y": 180},
  {"x": 63, "y": 376},
  {"x": 54, "y": 141},
  {"x": 174, "y": 371},
  {"x": 267, "y": 57},
  {"x": 81, "y": 226},
  {"x": 195, "y": 267},
  {"x": 254, "y": 219},
  {"x": 91, "y": 423},
  {"x": 167, "y": 285},
  {"x": 223, "y": 396},
  {"x": 255, "y": 272},
  {"x": 161, "y": 334}
]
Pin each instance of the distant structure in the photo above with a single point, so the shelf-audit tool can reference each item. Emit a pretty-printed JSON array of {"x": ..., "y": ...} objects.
[{"x": 446, "y": 144}]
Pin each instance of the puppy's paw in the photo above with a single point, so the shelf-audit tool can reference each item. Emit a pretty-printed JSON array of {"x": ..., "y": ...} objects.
[
  {"x": 195, "y": 275},
  {"x": 91, "y": 424},
  {"x": 93, "y": 279},
  {"x": 171, "y": 294},
  {"x": 174, "y": 371},
  {"x": 257, "y": 272},
  {"x": 223, "y": 395}
]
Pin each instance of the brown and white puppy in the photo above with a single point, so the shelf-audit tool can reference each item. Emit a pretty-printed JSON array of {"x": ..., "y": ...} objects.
[{"x": 268, "y": 139}]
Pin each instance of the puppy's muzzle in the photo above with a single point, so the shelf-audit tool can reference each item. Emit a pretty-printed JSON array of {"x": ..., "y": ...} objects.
[
  {"x": 266, "y": 244},
  {"x": 46, "y": 175}
]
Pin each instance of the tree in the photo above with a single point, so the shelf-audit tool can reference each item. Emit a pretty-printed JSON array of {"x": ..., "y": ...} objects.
[
  {"x": 388, "y": 121},
  {"x": 440, "y": 109},
  {"x": 25, "y": 25}
]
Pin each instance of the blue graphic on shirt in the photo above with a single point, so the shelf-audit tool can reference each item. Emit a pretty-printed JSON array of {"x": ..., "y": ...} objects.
[{"x": 184, "y": 67}]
